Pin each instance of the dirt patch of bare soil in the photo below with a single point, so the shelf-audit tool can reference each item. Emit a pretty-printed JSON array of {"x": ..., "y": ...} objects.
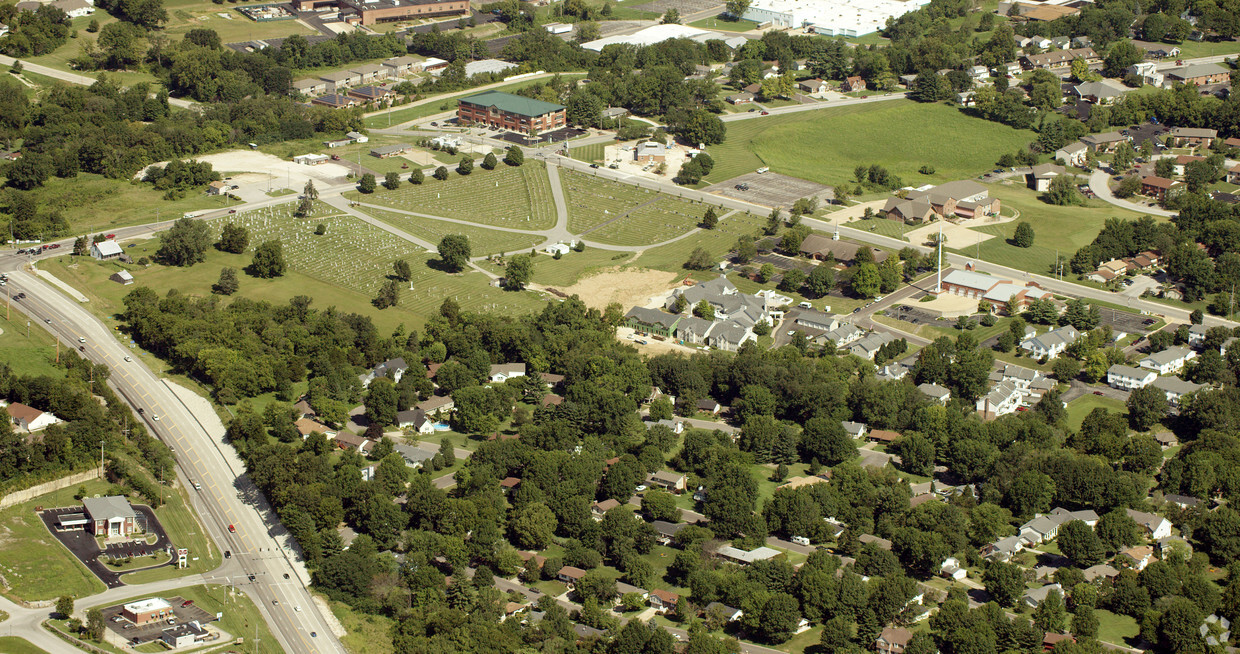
[{"x": 628, "y": 286}]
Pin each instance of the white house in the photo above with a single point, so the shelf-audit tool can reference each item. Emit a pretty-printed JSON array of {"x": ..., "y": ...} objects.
[
  {"x": 1050, "y": 344},
  {"x": 1197, "y": 335},
  {"x": 952, "y": 569},
  {"x": 854, "y": 429},
  {"x": 1072, "y": 154},
  {"x": 30, "y": 419},
  {"x": 505, "y": 371},
  {"x": 1035, "y": 596},
  {"x": 1039, "y": 530},
  {"x": 1170, "y": 360},
  {"x": 557, "y": 248},
  {"x": 1129, "y": 379},
  {"x": 105, "y": 250},
  {"x": 1155, "y": 526}
]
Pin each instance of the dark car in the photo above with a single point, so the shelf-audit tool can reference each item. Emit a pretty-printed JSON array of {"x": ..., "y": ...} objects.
[
  {"x": 1148, "y": 321},
  {"x": 232, "y": 211},
  {"x": 594, "y": 165},
  {"x": 1098, "y": 393},
  {"x": 228, "y": 554},
  {"x": 766, "y": 113}
]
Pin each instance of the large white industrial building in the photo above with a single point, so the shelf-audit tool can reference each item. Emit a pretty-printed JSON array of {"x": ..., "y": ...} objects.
[{"x": 831, "y": 17}]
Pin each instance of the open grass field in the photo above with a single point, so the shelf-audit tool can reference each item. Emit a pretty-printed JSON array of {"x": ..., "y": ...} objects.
[
  {"x": 15, "y": 645},
  {"x": 27, "y": 356},
  {"x": 654, "y": 222},
  {"x": 35, "y": 564},
  {"x": 593, "y": 201},
  {"x": 890, "y": 228},
  {"x": 826, "y": 145},
  {"x": 592, "y": 152},
  {"x": 320, "y": 267},
  {"x": 93, "y": 204},
  {"x": 240, "y": 615},
  {"x": 1116, "y": 628},
  {"x": 368, "y": 633},
  {"x": 482, "y": 241},
  {"x": 74, "y": 47},
  {"x": 717, "y": 242},
  {"x": 448, "y": 103},
  {"x": 358, "y": 153},
  {"x": 184, "y": 15},
  {"x": 518, "y": 198},
  {"x": 565, "y": 271},
  {"x": 1065, "y": 229},
  {"x": 1081, "y": 406},
  {"x": 723, "y": 25}
]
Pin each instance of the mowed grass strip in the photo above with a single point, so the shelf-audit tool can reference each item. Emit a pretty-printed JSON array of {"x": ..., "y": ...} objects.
[
  {"x": 661, "y": 220},
  {"x": 567, "y": 270},
  {"x": 718, "y": 242},
  {"x": 593, "y": 201},
  {"x": 35, "y": 564},
  {"x": 517, "y": 198},
  {"x": 482, "y": 241},
  {"x": 1056, "y": 229},
  {"x": 827, "y": 144}
]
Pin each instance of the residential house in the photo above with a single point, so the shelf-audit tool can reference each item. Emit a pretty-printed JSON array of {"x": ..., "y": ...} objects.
[
  {"x": 1180, "y": 163},
  {"x": 1051, "y": 639},
  {"x": 401, "y": 66},
  {"x": 1182, "y": 501},
  {"x": 882, "y": 436},
  {"x": 708, "y": 405},
  {"x": 892, "y": 640},
  {"x": 882, "y": 543},
  {"x": 29, "y": 419},
  {"x": 666, "y": 531},
  {"x": 509, "y": 484},
  {"x": 743, "y": 557},
  {"x": 1166, "y": 439},
  {"x": 437, "y": 405},
  {"x": 744, "y": 97},
  {"x": 1155, "y": 526},
  {"x": 1100, "y": 571},
  {"x": 1003, "y": 549},
  {"x": 1064, "y": 516},
  {"x": 502, "y": 372},
  {"x": 306, "y": 426},
  {"x": 106, "y": 249},
  {"x": 966, "y": 99},
  {"x": 936, "y": 393},
  {"x": 600, "y": 509},
  {"x": 668, "y": 481},
  {"x": 1072, "y": 154},
  {"x": 724, "y": 612},
  {"x": 1040, "y": 529},
  {"x": 813, "y": 86},
  {"x": 389, "y": 151},
  {"x": 1035, "y": 596},
  {"x": 663, "y": 601},
  {"x": 417, "y": 420},
  {"x": 1193, "y": 136},
  {"x": 216, "y": 188},
  {"x": 415, "y": 457},
  {"x": 368, "y": 73},
  {"x": 978, "y": 73},
  {"x": 1136, "y": 558},
  {"x": 854, "y": 429},
  {"x": 1104, "y": 142},
  {"x": 1170, "y": 360},
  {"x": 342, "y": 79},
  {"x": 347, "y": 440},
  {"x": 676, "y": 425},
  {"x": 951, "y": 569},
  {"x": 892, "y": 372},
  {"x": 1051, "y": 344},
  {"x": 1040, "y": 176},
  {"x": 1127, "y": 378},
  {"x": 853, "y": 84},
  {"x": 1156, "y": 50},
  {"x": 392, "y": 369},
  {"x": 570, "y": 575},
  {"x": 1147, "y": 71},
  {"x": 1175, "y": 388}
]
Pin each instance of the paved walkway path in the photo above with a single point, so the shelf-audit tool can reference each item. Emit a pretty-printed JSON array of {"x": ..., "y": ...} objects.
[
  {"x": 1099, "y": 184},
  {"x": 560, "y": 232}
]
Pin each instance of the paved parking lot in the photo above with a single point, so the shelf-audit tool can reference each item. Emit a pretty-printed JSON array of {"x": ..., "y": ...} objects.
[
  {"x": 911, "y": 314},
  {"x": 145, "y": 633},
  {"x": 83, "y": 545},
  {"x": 1140, "y": 284},
  {"x": 557, "y": 136},
  {"x": 781, "y": 262},
  {"x": 771, "y": 189},
  {"x": 1122, "y": 321}
]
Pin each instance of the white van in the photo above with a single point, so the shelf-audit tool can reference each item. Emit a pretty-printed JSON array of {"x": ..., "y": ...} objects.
[
  {"x": 806, "y": 305},
  {"x": 801, "y": 540},
  {"x": 763, "y": 169}
]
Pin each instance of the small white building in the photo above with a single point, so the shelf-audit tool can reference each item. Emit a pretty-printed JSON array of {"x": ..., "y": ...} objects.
[
  {"x": 358, "y": 137},
  {"x": 557, "y": 248},
  {"x": 105, "y": 250},
  {"x": 311, "y": 159},
  {"x": 504, "y": 371},
  {"x": 28, "y": 418}
]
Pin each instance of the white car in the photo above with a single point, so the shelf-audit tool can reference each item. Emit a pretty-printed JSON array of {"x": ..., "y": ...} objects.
[
  {"x": 641, "y": 488},
  {"x": 128, "y": 358},
  {"x": 297, "y": 609},
  {"x": 155, "y": 417}
]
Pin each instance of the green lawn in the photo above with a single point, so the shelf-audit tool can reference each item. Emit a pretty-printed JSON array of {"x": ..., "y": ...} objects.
[
  {"x": 1194, "y": 49},
  {"x": 717, "y": 242},
  {"x": 592, "y": 152},
  {"x": 724, "y": 25},
  {"x": 368, "y": 633},
  {"x": 320, "y": 267},
  {"x": 1115, "y": 628},
  {"x": 571, "y": 267},
  {"x": 518, "y": 198},
  {"x": 826, "y": 145},
  {"x": 15, "y": 645},
  {"x": 482, "y": 241},
  {"x": 27, "y": 356},
  {"x": 663, "y": 219},
  {"x": 358, "y": 153},
  {"x": 597, "y": 205},
  {"x": 35, "y": 564},
  {"x": 1062, "y": 229},
  {"x": 240, "y": 619},
  {"x": 1081, "y": 406},
  {"x": 448, "y": 103},
  {"x": 890, "y": 228},
  {"x": 94, "y": 204}
]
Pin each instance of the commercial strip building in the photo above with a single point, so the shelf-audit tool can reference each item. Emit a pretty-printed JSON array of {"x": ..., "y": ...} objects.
[
  {"x": 1003, "y": 294},
  {"x": 384, "y": 11},
  {"x": 830, "y": 17},
  {"x": 500, "y": 110}
]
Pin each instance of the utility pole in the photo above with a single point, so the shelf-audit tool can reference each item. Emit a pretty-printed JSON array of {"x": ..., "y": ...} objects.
[{"x": 938, "y": 288}]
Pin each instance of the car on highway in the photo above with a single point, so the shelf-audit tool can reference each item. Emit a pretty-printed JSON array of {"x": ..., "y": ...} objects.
[
  {"x": 110, "y": 236},
  {"x": 228, "y": 554},
  {"x": 314, "y": 634},
  {"x": 232, "y": 529},
  {"x": 54, "y": 246},
  {"x": 128, "y": 358},
  {"x": 286, "y": 575},
  {"x": 765, "y": 113},
  {"x": 594, "y": 165},
  {"x": 232, "y": 211},
  {"x": 197, "y": 486},
  {"x": 155, "y": 417},
  {"x": 141, "y": 411},
  {"x": 81, "y": 339},
  {"x": 275, "y": 602},
  {"x": 47, "y": 320},
  {"x": 297, "y": 609}
]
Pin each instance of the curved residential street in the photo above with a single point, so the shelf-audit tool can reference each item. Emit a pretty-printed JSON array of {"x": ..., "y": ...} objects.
[{"x": 1099, "y": 183}]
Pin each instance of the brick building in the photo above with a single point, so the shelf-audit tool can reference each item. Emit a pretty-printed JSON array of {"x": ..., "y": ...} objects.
[
  {"x": 110, "y": 516},
  {"x": 384, "y": 11},
  {"x": 147, "y": 610},
  {"x": 507, "y": 111}
]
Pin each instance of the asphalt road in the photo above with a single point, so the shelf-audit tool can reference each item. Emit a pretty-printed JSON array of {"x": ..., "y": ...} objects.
[{"x": 234, "y": 513}]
